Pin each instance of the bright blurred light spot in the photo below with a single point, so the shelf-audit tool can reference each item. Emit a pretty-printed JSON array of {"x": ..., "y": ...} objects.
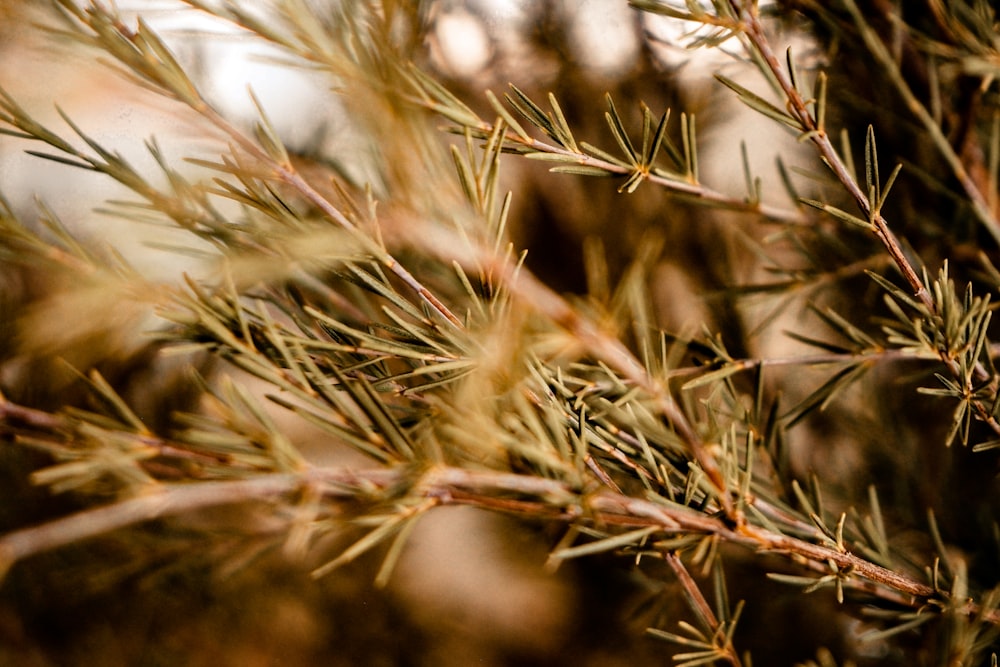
[
  {"x": 463, "y": 43},
  {"x": 604, "y": 36},
  {"x": 503, "y": 10}
]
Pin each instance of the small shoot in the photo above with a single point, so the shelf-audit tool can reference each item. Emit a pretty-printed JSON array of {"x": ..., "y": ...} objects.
[
  {"x": 877, "y": 193},
  {"x": 553, "y": 123},
  {"x": 761, "y": 105}
]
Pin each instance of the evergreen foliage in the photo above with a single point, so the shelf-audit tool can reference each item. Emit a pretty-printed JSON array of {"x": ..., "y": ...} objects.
[{"x": 395, "y": 321}]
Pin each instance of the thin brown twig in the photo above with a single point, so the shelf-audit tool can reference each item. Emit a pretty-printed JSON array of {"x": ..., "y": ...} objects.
[
  {"x": 172, "y": 500},
  {"x": 20, "y": 544},
  {"x": 286, "y": 172},
  {"x": 534, "y": 292},
  {"x": 699, "y": 604},
  {"x": 692, "y": 189},
  {"x": 797, "y": 106},
  {"x": 521, "y": 282},
  {"x": 890, "y": 66},
  {"x": 869, "y": 356},
  {"x": 609, "y": 349},
  {"x": 524, "y": 495},
  {"x": 15, "y": 417},
  {"x": 451, "y": 485}
]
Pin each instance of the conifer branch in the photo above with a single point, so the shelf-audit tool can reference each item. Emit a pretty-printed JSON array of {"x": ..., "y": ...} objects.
[
  {"x": 532, "y": 496},
  {"x": 818, "y": 136},
  {"x": 463, "y": 379},
  {"x": 890, "y": 67}
]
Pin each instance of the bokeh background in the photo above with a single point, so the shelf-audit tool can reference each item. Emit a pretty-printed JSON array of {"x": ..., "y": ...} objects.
[{"x": 472, "y": 588}]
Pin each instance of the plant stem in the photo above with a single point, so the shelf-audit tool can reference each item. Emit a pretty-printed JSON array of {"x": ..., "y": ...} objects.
[
  {"x": 692, "y": 189},
  {"x": 524, "y": 495},
  {"x": 754, "y": 31},
  {"x": 700, "y": 605},
  {"x": 889, "y": 66},
  {"x": 598, "y": 343},
  {"x": 287, "y": 173}
]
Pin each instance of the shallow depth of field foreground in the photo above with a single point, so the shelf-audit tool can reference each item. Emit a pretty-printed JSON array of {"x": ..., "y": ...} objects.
[{"x": 499, "y": 332}]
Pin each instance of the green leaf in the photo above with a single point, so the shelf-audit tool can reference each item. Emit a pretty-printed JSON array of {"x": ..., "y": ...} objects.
[
  {"x": 607, "y": 544},
  {"x": 759, "y": 104},
  {"x": 914, "y": 622},
  {"x": 267, "y": 136},
  {"x": 657, "y": 141},
  {"x": 608, "y": 157},
  {"x": 690, "y": 146},
  {"x": 387, "y": 526},
  {"x": 712, "y": 377},
  {"x": 840, "y": 214},
  {"x": 896, "y": 292},
  {"x": 507, "y": 117},
  {"x": 826, "y": 393},
  {"x": 531, "y": 111},
  {"x": 562, "y": 130},
  {"x": 633, "y": 182},
  {"x": 582, "y": 170},
  {"x": 618, "y": 130},
  {"x": 872, "y": 181},
  {"x": 820, "y": 101},
  {"x": 62, "y": 160}
]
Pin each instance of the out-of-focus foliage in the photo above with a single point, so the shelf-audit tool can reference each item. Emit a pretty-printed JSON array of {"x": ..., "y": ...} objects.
[{"x": 737, "y": 400}]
